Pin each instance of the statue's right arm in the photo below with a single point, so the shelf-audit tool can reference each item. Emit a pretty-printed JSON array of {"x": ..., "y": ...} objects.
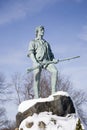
[
  {"x": 31, "y": 52},
  {"x": 35, "y": 63},
  {"x": 33, "y": 58}
]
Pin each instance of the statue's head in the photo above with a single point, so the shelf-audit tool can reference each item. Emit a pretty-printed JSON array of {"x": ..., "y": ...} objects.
[{"x": 39, "y": 30}]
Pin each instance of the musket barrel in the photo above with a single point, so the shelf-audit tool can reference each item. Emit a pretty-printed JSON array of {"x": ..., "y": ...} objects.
[
  {"x": 69, "y": 58},
  {"x": 52, "y": 62}
]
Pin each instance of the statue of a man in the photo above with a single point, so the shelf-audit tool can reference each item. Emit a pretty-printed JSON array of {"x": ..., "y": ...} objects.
[{"x": 39, "y": 51}]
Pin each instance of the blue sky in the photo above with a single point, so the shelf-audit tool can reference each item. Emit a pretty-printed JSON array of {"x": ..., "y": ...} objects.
[{"x": 65, "y": 23}]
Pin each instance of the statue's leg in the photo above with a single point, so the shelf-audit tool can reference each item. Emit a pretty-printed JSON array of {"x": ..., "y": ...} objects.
[
  {"x": 54, "y": 76},
  {"x": 37, "y": 74}
]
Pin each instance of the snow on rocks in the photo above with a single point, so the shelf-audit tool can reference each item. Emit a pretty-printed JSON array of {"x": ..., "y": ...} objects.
[
  {"x": 47, "y": 121},
  {"x": 28, "y": 103}
]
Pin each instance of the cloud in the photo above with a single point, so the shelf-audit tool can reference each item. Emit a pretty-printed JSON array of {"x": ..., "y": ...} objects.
[
  {"x": 83, "y": 34},
  {"x": 16, "y": 9},
  {"x": 13, "y": 58},
  {"x": 14, "y": 61}
]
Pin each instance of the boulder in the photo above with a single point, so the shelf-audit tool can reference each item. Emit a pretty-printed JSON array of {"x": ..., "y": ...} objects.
[{"x": 60, "y": 105}]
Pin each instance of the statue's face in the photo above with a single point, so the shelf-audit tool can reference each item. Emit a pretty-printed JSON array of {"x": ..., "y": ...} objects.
[{"x": 40, "y": 31}]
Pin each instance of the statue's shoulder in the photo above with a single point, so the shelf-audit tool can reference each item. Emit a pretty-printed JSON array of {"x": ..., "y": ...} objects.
[
  {"x": 47, "y": 43},
  {"x": 32, "y": 41}
]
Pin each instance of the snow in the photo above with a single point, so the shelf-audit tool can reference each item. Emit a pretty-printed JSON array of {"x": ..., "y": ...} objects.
[
  {"x": 62, "y": 123},
  {"x": 29, "y": 103},
  {"x": 61, "y": 93}
]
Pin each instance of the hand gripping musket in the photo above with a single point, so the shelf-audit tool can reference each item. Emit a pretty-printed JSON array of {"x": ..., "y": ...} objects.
[{"x": 51, "y": 62}]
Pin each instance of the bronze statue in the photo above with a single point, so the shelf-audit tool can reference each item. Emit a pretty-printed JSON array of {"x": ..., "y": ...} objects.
[{"x": 41, "y": 54}]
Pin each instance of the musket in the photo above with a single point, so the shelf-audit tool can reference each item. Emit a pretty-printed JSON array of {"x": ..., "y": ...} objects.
[
  {"x": 51, "y": 62},
  {"x": 69, "y": 58}
]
